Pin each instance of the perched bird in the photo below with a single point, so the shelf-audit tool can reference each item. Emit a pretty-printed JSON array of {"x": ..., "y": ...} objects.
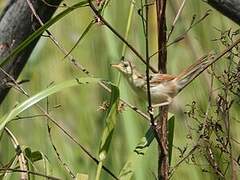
[{"x": 163, "y": 87}]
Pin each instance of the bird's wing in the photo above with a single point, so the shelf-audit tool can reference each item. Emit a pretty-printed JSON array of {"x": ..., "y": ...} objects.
[{"x": 160, "y": 78}]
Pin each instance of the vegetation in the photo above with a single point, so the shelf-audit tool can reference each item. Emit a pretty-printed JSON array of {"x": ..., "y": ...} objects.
[{"x": 67, "y": 112}]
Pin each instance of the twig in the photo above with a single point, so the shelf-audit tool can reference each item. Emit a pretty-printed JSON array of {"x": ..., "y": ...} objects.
[
  {"x": 145, "y": 22},
  {"x": 61, "y": 128},
  {"x": 118, "y": 35},
  {"x": 55, "y": 148},
  {"x": 58, "y": 155},
  {"x": 212, "y": 161},
  {"x": 29, "y": 172},
  {"x": 183, "y": 34},
  {"x": 176, "y": 18},
  {"x": 52, "y": 5},
  {"x": 80, "y": 67},
  {"x": 19, "y": 153}
]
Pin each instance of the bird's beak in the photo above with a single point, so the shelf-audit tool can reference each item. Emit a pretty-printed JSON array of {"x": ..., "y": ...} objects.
[{"x": 118, "y": 66}]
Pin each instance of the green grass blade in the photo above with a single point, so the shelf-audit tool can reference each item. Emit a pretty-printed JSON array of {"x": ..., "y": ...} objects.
[
  {"x": 111, "y": 119},
  {"x": 38, "y": 97},
  {"x": 170, "y": 137},
  {"x": 129, "y": 22},
  {"x": 38, "y": 32}
]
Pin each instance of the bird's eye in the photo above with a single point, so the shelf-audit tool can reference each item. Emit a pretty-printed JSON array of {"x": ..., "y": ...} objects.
[{"x": 125, "y": 65}]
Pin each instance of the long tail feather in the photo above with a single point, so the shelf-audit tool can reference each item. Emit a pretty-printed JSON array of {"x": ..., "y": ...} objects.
[{"x": 189, "y": 74}]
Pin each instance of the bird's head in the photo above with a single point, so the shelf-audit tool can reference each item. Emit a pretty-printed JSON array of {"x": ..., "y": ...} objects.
[{"x": 126, "y": 67}]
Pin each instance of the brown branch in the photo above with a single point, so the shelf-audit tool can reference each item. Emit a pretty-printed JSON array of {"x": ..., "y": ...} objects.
[
  {"x": 76, "y": 64},
  {"x": 161, "y": 126},
  {"x": 16, "y": 24}
]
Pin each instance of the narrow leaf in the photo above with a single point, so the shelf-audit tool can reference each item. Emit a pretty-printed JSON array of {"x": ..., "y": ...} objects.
[
  {"x": 38, "y": 97},
  {"x": 110, "y": 119},
  {"x": 170, "y": 137}
]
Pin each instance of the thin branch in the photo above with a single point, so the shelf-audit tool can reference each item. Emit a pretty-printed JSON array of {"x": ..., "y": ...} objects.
[
  {"x": 29, "y": 172},
  {"x": 176, "y": 18},
  {"x": 58, "y": 155},
  {"x": 55, "y": 148},
  {"x": 76, "y": 64},
  {"x": 117, "y": 34},
  {"x": 146, "y": 31},
  {"x": 87, "y": 152},
  {"x": 19, "y": 153}
]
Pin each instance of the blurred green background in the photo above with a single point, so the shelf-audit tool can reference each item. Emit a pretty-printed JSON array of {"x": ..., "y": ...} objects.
[{"x": 78, "y": 111}]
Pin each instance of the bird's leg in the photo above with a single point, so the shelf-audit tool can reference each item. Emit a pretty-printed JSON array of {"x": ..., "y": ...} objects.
[{"x": 169, "y": 101}]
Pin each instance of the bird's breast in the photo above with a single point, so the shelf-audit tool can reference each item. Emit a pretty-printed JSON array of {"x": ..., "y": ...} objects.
[{"x": 162, "y": 92}]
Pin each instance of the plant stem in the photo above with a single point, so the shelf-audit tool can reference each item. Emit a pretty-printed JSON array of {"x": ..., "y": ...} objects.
[{"x": 161, "y": 126}]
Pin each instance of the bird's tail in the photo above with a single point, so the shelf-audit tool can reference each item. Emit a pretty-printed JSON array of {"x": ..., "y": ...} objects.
[{"x": 189, "y": 74}]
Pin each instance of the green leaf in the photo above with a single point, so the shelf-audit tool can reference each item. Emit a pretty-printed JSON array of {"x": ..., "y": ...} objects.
[
  {"x": 127, "y": 171},
  {"x": 110, "y": 119},
  {"x": 38, "y": 97},
  {"x": 170, "y": 137},
  {"x": 33, "y": 156},
  {"x": 38, "y": 32}
]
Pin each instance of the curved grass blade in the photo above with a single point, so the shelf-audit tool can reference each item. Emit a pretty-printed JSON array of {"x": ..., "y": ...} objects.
[
  {"x": 110, "y": 119},
  {"x": 41, "y": 95},
  {"x": 38, "y": 32}
]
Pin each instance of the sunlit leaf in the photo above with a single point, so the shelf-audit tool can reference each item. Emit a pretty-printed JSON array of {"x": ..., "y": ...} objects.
[
  {"x": 38, "y": 97},
  {"x": 110, "y": 119}
]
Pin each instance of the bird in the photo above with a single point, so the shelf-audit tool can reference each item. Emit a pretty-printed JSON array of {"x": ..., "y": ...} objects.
[{"x": 163, "y": 87}]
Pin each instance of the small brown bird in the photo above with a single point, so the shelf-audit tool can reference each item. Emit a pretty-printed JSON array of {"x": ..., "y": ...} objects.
[{"x": 163, "y": 87}]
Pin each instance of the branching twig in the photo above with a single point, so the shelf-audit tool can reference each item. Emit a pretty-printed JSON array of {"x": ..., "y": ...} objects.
[
  {"x": 20, "y": 155},
  {"x": 118, "y": 35},
  {"x": 87, "y": 152},
  {"x": 150, "y": 109},
  {"x": 176, "y": 18},
  {"x": 76, "y": 64}
]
